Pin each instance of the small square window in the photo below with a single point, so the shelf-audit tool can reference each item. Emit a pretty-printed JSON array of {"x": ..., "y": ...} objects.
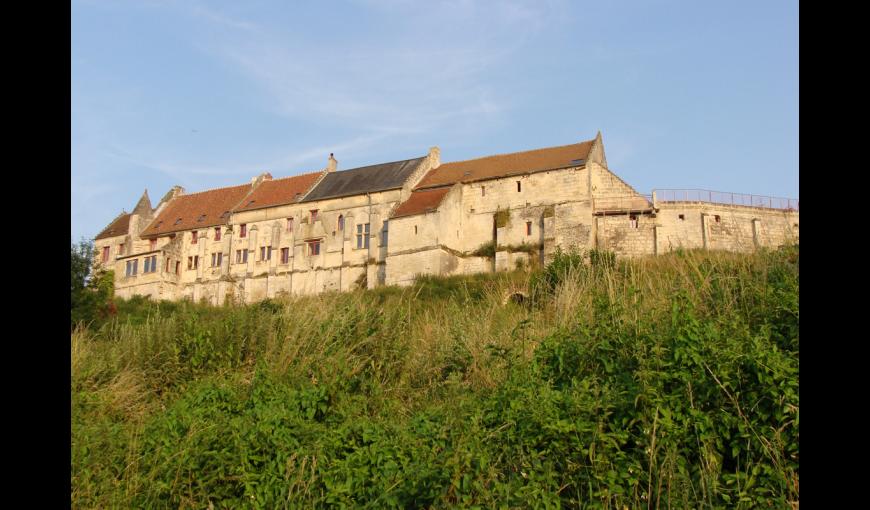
[
  {"x": 682, "y": 217},
  {"x": 717, "y": 218}
]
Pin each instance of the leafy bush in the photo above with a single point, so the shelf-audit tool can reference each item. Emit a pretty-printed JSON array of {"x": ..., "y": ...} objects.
[{"x": 683, "y": 395}]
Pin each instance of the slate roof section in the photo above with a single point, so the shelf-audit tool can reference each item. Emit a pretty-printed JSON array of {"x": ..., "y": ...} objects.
[
  {"x": 197, "y": 210},
  {"x": 279, "y": 192},
  {"x": 421, "y": 202},
  {"x": 506, "y": 165},
  {"x": 367, "y": 179},
  {"x": 119, "y": 227}
]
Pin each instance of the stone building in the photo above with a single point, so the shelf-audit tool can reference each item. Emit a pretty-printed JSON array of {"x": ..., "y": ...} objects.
[{"x": 390, "y": 222}]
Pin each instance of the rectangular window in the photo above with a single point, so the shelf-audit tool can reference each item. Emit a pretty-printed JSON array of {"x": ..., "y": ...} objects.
[
  {"x": 362, "y": 236},
  {"x": 289, "y": 224},
  {"x": 314, "y": 247},
  {"x": 177, "y": 267},
  {"x": 262, "y": 253},
  {"x": 243, "y": 230},
  {"x": 168, "y": 264},
  {"x": 717, "y": 218},
  {"x": 189, "y": 262},
  {"x": 285, "y": 255},
  {"x": 385, "y": 233},
  {"x": 217, "y": 233},
  {"x": 528, "y": 228},
  {"x": 519, "y": 186},
  {"x": 121, "y": 249},
  {"x": 213, "y": 259},
  {"x": 244, "y": 256},
  {"x": 152, "y": 245},
  {"x": 105, "y": 253},
  {"x": 150, "y": 264},
  {"x": 313, "y": 215},
  {"x": 220, "y": 260},
  {"x": 194, "y": 237},
  {"x": 238, "y": 256},
  {"x": 483, "y": 191},
  {"x": 196, "y": 261},
  {"x": 632, "y": 220},
  {"x": 147, "y": 266}
]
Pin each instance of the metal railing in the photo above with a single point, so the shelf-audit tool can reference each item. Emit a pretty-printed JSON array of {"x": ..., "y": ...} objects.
[{"x": 722, "y": 197}]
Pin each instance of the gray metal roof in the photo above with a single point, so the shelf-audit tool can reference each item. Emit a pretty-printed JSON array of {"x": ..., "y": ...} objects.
[{"x": 366, "y": 179}]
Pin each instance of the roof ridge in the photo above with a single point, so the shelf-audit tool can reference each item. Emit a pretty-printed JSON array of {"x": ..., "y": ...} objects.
[
  {"x": 212, "y": 189},
  {"x": 294, "y": 176},
  {"x": 517, "y": 152},
  {"x": 379, "y": 164}
]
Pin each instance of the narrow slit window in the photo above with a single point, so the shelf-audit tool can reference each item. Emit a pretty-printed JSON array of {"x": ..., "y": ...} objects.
[
  {"x": 519, "y": 186},
  {"x": 483, "y": 191},
  {"x": 194, "y": 237},
  {"x": 528, "y": 228},
  {"x": 340, "y": 222}
]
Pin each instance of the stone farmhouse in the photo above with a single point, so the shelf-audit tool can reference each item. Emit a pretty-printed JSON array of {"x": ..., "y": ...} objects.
[{"x": 385, "y": 224}]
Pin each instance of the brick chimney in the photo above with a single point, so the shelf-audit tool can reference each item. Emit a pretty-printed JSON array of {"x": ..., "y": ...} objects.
[{"x": 332, "y": 165}]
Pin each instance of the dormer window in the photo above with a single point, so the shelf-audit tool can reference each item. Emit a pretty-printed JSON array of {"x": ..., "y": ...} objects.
[
  {"x": 201, "y": 218},
  {"x": 178, "y": 221},
  {"x": 225, "y": 214}
]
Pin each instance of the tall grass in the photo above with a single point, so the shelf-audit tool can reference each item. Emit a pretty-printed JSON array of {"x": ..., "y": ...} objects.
[{"x": 666, "y": 382}]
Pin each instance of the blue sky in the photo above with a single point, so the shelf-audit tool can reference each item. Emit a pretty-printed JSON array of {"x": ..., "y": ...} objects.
[{"x": 202, "y": 94}]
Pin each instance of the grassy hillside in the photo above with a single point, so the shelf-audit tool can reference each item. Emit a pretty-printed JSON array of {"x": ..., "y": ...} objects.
[{"x": 668, "y": 382}]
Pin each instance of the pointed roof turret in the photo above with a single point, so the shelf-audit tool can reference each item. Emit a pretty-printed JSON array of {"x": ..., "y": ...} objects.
[{"x": 143, "y": 207}]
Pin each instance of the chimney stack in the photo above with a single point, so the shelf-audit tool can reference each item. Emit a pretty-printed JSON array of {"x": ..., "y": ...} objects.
[
  {"x": 333, "y": 163},
  {"x": 434, "y": 157}
]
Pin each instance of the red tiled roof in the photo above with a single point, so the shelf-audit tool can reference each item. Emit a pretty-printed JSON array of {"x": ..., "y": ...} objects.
[
  {"x": 119, "y": 227},
  {"x": 197, "y": 210},
  {"x": 421, "y": 201},
  {"x": 279, "y": 191},
  {"x": 504, "y": 165}
]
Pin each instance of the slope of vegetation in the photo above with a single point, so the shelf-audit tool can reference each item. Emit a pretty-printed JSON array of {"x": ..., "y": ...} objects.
[{"x": 668, "y": 382}]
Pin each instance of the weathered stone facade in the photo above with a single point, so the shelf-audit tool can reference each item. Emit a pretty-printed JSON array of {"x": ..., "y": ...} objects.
[{"x": 387, "y": 224}]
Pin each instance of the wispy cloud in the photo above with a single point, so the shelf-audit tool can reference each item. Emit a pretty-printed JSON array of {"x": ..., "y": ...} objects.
[{"x": 432, "y": 71}]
